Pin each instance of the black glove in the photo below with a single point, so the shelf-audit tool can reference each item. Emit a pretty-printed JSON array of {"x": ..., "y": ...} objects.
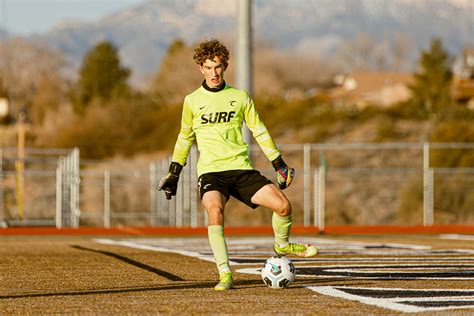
[
  {"x": 169, "y": 183},
  {"x": 284, "y": 174}
]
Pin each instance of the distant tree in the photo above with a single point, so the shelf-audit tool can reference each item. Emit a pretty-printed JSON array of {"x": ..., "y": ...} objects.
[
  {"x": 26, "y": 66},
  {"x": 101, "y": 76},
  {"x": 431, "y": 89},
  {"x": 49, "y": 96},
  {"x": 358, "y": 54},
  {"x": 400, "y": 47},
  {"x": 175, "y": 47},
  {"x": 177, "y": 74}
]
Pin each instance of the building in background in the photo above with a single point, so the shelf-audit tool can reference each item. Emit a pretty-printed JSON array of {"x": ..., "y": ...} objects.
[
  {"x": 371, "y": 88},
  {"x": 4, "y": 110},
  {"x": 463, "y": 80}
]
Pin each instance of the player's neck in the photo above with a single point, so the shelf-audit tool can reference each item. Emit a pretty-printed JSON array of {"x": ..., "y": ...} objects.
[{"x": 216, "y": 89}]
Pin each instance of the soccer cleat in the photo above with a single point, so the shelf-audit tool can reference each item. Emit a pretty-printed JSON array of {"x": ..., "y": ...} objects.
[
  {"x": 225, "y": 282},
  {"x": 300, "y": 250}
]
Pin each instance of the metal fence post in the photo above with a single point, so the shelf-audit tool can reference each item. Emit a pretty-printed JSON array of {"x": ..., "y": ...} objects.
[
  {"x": 65, "y": 193},
  {"x": 427, "y": 187},
  {"x": 319, "y": 201},
  {"x": 70, "y": 188},
  {"x": 193, "y": 195},
  {"x": 179, "y": 202},
  {"x": 159, "y": 201},
  {"x": 153, "y": 194},
  {"x": 431, "y": 196},
  {"x": 186, "y": 212},
  {"x": 2, "y": 216},
  {"x": 315, "y": 198},
  {"x": 164, "y": 203},
  {"x": 171, "y": 204},
  {"x": 76, "y": 178},
  {"x": 59, "y": 194},
  {"x": 106, "y": 199},
  {"x": 307, "y": 184}
]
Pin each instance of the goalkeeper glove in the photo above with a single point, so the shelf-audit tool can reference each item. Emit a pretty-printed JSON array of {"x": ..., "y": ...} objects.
[
  {"x": 284, "y": 174},
  {"x": 169, "y": 183}
]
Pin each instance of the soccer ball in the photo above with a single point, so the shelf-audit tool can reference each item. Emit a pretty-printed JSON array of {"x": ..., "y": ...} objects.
[{"x": 278, "y": 272}]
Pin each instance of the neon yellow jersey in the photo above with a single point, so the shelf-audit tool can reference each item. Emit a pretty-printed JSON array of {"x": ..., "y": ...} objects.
[{"x": 215, "y": 120}]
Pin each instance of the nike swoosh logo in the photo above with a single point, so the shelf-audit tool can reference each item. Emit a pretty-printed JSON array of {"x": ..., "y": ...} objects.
[
  {"x": 201, "y": 107},
  {"x": 232, "y": 103}
]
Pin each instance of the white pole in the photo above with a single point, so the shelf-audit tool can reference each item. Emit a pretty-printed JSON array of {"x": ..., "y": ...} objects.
[
  {"x": 430, "y": 213},
  {"x": 172, "y": 204},
  {"x": 164, "y": 203},
  {"x": 77, "y": 182},
  {"x": 107, "y": 199},
  {"x": 321, "y": 197},
  {"x": 186, "y": 207},
  {"x": 59, "y": 185},
  {"x": 153, "y": 194},
  {"x": 2, "y": 216},
  {"x": 193, "y": 158},
  {"x": 179, "y": 203},
  {"x": 306, "y": 184},
  {"x": 316, "y": 198},
  {"x": 244, "y": 55},
  {"x": 427, "y": 213},
  {"x": 70, "y": 190}
]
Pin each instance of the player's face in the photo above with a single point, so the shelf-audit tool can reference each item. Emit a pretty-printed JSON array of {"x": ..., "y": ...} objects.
[{"x": 213, "y": 71}]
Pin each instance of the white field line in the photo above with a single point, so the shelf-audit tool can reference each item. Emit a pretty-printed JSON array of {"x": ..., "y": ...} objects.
[
  {"x": 331, "y": 291},
  {"x": 131, "y": 244},
  {"x": 433, "y": 298},
  {"x": 457, "y": 237},
  {"x": 343, "y": 269},
  {"x": 386, "y": 303}
]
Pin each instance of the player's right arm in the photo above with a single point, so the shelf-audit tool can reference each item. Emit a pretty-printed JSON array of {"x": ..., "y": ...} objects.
[{"x": 186, "y": 137}]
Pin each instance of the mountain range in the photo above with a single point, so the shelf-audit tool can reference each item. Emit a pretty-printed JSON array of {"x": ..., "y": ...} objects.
[{"x": 143, "y": 33}]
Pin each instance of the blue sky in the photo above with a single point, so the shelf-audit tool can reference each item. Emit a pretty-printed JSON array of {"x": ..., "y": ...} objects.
[{"x": 25, "y": 17}]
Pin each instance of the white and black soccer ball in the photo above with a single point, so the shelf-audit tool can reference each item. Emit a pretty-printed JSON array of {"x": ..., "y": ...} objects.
[{"x": 278, "y": 272}]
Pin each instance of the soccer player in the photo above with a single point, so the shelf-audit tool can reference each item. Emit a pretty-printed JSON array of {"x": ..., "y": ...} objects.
[{"x": 213, "y": 116}]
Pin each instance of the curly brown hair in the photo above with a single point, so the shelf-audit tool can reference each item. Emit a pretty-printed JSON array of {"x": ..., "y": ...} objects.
[{"x": 209, "y": 50}]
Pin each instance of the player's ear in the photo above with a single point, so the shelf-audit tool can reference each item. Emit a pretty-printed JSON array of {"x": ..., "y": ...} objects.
[
  {"x": 225, "y": 65},
  {"x": 201, "y": 69}
]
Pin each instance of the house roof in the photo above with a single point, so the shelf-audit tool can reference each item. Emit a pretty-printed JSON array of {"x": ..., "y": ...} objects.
[{"x": 372, "y": 86}]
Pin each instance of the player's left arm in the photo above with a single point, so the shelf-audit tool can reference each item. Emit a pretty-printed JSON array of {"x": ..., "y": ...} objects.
[{"x": 284, "y": 173}]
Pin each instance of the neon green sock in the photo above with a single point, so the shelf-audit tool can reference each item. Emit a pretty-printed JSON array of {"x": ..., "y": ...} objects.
[
  {"x": 281, "y": 228},
  {"x": 219, "y": 247}
]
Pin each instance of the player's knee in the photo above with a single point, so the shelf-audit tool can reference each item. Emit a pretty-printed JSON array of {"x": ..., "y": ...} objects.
[
  {"x": 284, "y": 209},
  {"x": 215, "y": 214},
  {"x": 215, "y": 210}
]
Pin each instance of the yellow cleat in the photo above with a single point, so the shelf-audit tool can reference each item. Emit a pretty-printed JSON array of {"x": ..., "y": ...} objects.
[
  {"x": 225, "y": 282},
  {"x": 300, "y": 250}
]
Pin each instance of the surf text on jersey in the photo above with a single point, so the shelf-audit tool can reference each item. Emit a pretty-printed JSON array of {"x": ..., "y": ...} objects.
[{"x": 217, "y": 117}]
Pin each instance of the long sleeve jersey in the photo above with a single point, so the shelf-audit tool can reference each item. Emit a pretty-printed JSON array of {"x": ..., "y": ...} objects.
[{"x": 214, "y": 120}]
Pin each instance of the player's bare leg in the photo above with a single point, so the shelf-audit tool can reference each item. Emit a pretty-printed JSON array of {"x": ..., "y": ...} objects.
[
  {"x": 214, "y": 203},
  {"x": 272, "y": 197}
]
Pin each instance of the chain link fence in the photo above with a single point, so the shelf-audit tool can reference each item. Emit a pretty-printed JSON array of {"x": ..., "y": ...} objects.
[
  {"x": 29, "y": 186},
  {"x": 336, "y": 184}
]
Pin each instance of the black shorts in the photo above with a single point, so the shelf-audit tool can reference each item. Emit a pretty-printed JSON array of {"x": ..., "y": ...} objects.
[{"x": 241, "y": 184}]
